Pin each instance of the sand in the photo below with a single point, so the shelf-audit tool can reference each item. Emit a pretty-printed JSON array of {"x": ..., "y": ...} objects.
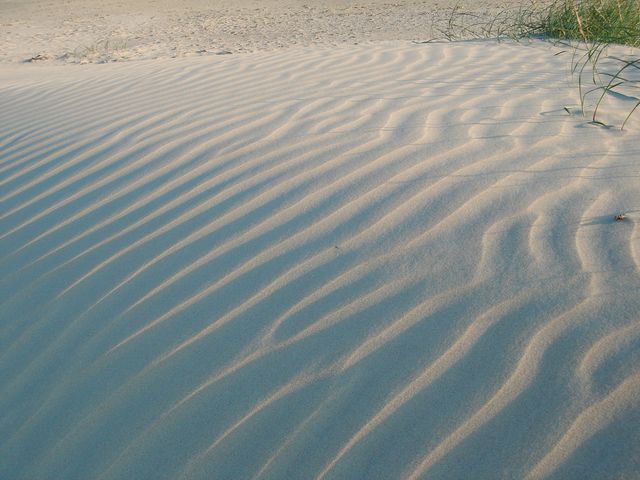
[
  {"x": 88, "y": 31},
  {"x": 385, "y": 260}
]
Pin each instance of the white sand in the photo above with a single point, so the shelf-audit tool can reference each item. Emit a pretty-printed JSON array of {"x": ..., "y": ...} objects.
[
  {"x": 81, "y": 31},
  {"x": 388, "y": 260}
]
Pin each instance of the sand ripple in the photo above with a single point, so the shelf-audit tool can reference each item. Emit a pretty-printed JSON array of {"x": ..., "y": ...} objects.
[{"x": 388, "y": 261}]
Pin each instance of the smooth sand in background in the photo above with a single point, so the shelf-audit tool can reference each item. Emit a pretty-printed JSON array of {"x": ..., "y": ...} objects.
[{"x": 79, "y": 31}]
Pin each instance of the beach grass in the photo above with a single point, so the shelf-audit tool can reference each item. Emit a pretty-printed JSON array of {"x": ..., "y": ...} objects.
[
  {"x": 587, "y": 27},
  {"x": 600, "y": 21},
  {"x": 593, "y": 26}
]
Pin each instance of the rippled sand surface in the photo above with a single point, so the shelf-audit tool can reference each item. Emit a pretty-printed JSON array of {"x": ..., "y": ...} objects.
[{"x": 364, "y": 261}]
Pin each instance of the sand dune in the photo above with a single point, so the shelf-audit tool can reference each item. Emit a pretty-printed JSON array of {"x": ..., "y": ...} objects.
[{"x": 381, "y": 261}]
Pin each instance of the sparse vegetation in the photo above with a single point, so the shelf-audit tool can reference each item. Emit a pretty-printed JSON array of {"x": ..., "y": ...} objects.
[
  {"x": 99, "y": 52},
  {"x": 524, "y": 22},
  {"x": 592, "y": 26},
  {"x": 587, "y": 27}
]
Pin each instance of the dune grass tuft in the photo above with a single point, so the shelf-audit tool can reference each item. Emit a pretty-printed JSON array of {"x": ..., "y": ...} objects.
[
  {"x": 601, "y": 21},
  {"x": 594, "y": 25},
  {"x": 588, "y": 27}
]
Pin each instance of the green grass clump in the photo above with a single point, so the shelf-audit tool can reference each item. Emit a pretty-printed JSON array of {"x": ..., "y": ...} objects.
[{"x": 602, "y": 21}]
